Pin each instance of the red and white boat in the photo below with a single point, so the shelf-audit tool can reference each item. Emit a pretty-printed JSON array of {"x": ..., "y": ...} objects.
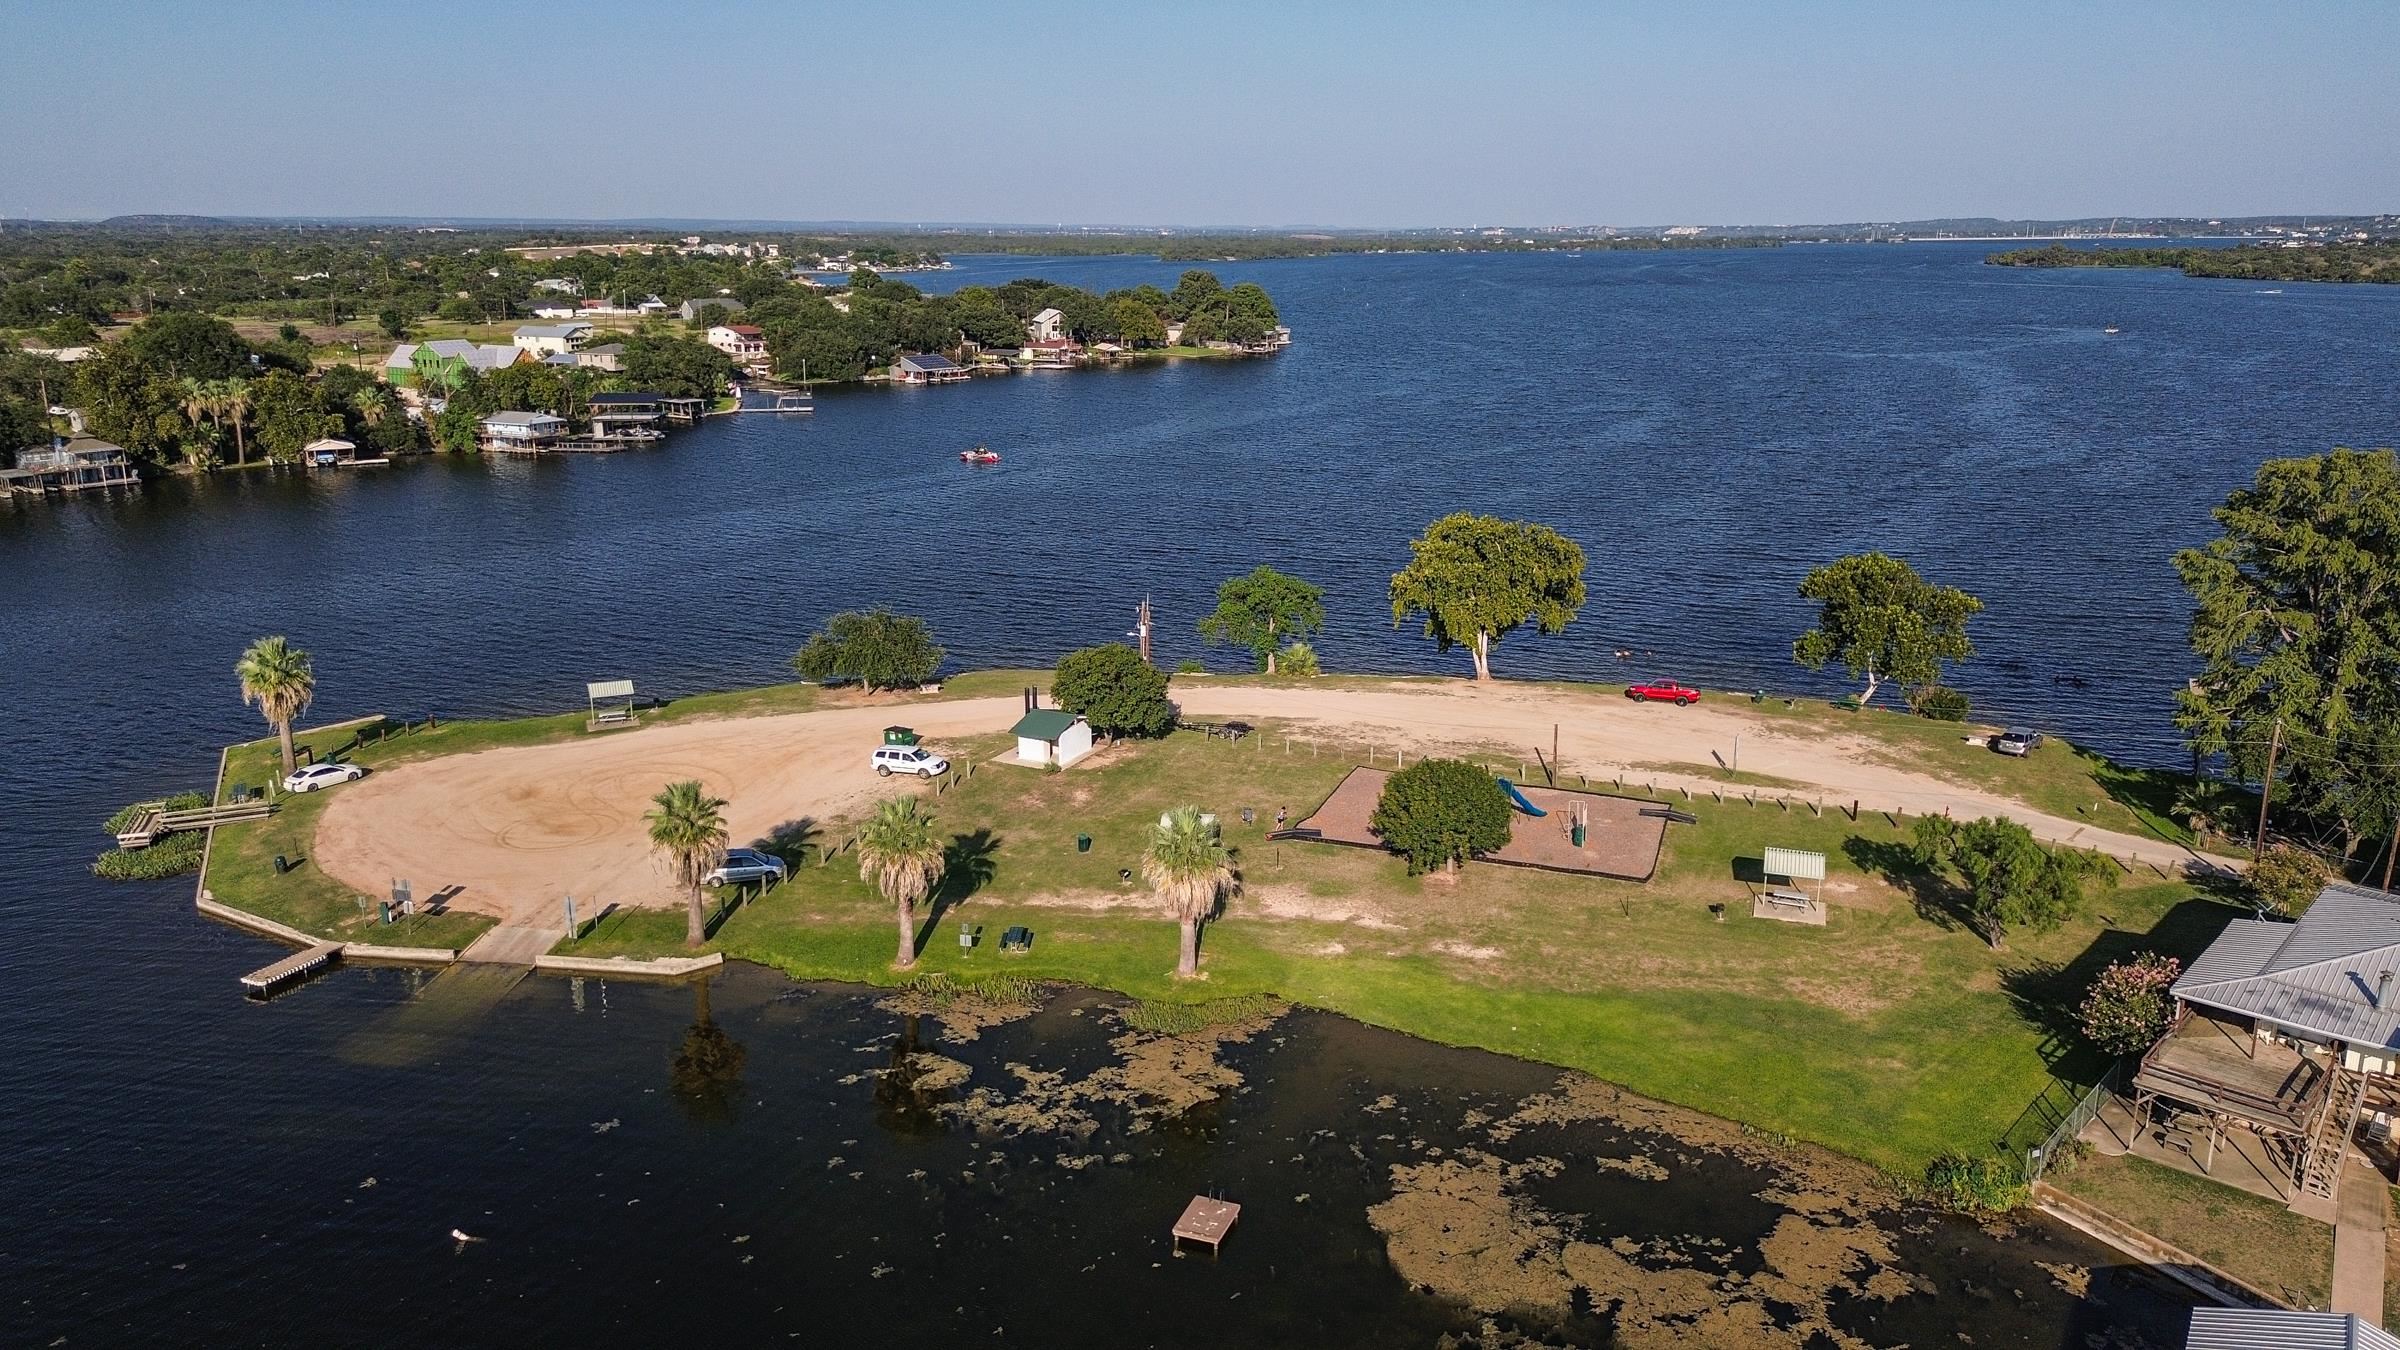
[{"x": 979, "y": 455}]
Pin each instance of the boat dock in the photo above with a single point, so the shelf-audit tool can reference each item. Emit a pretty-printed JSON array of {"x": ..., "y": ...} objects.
[
  {"x": 265, "y": 979},
  {"x": 1206, "y": 1220},
  {"x": 81, "y": 465},
  {"x": 155, "y": 824}
]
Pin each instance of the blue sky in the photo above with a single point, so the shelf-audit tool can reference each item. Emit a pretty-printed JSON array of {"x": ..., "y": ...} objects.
[{"x": 1288, "y": 113}]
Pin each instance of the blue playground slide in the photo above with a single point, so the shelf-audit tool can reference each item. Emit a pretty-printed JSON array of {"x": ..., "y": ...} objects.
[{"x": 1519, "y": 798}]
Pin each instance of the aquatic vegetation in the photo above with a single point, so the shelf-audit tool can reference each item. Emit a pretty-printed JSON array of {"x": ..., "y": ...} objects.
[
  {"x": 172, "y": 856},
  {"x": 1164, "y": 1017}
]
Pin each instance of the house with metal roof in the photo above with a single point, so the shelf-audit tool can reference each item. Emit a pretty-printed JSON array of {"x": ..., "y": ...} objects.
[
  {"x": 689, "y": 310},
  {"x": 1047, "y": 736},
  {"x": 2283, "y": 1329},
  {"x": 400, "y": 367},
  {"x": 551, "y": 339},
  {"x": 1048, "y": 326},
  {"x": 2287, "y": 1032},
  {"x": 521, "y": 430},
  {"x": 926, "y": 368}
]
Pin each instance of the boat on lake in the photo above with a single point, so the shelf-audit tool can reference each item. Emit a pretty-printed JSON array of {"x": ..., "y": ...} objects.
[{"x": 979, "y": 455}]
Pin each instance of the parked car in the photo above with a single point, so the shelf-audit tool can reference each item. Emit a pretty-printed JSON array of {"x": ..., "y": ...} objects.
[
  {"x": 1664, "y": 691},
  {"x": 916, "y": 759},
  {"x": 745, "y": 864},
  {"x": 2018, "y": 741},
  {"x": 320, "y": 776}
]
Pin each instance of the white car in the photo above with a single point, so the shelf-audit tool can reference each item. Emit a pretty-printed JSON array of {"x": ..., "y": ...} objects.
[
  {"x": 916, "y": 759},
  {"x": 745, "y": 864},
  {"x": 320, "y": 776}
]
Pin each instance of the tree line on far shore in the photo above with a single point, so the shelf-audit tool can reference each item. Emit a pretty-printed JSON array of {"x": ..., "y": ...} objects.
[
  {"x": 2378, "y": 261},
  {"x": 812, "y": 334}
]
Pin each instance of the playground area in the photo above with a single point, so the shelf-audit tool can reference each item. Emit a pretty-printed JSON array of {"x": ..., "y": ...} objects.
[{"x": 1619, "y": 840}]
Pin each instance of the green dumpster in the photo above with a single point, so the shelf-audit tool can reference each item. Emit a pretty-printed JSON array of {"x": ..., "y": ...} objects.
[
  {"x": 899, "y": 736},
  {"x": 1083, "y": 843}
]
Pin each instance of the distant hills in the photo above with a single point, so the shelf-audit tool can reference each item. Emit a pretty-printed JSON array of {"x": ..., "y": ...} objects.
[{"x": 2379, "y": 226}]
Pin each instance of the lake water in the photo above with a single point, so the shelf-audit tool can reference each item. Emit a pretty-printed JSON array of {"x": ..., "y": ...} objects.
[{"x": 1707, "y": 425}]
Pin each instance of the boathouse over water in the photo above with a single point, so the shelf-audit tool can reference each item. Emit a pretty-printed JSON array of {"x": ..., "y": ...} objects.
[{"x": 80, "y": 465}]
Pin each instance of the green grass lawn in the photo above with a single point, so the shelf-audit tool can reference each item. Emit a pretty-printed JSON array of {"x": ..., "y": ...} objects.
[
  {"x": 2247, "y": 1236},
  {"x": 1892, "y": 1034}
]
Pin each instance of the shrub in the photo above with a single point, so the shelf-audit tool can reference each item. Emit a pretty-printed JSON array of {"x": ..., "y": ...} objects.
[
  {"x": 1111, "y": 687},
  {"x": 1441, "y": 812},
  {"x": 173, "y": 856},
  {"x": 1188, "y": 666},
  {"x": 2128, "y": 1006},
  {"x": 1985, "y": 1185},
  {"x": 1941, "y": 703},
  {"x": 876, "y": 647},
  {"x": 2012, "y": 881},
  {"x": 1298, "y": 659},
  {"x": 126, "y": 815},
  {"x": 2286, "y": 879}
]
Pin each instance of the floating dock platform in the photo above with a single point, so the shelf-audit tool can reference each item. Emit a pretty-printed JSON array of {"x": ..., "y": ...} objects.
[
  {"x": 266, "y": 979},
  {"x": 1206, "y": 1220}
]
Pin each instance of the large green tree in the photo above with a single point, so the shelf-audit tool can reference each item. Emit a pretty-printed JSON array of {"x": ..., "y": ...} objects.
[
  {"x": 2296, "y": 621},
  {"x": 900, "y": 855},
  {"x": 876, "y": 647},
  {"x": 289, "y": 416},
  {"x": 1882, "y": 621},
  {"x": 1189, "y": 869},
  {"x": 280, "y": 680},
  {"x": 188, "y": 345},
  {"x": 1473, "y": 579},
  {"x": 1114, "y": 689},
  {"x": 2012, "y": 881},
  {"x": 1439, "y": 813},
  {"x": 1263, "y": 608}
]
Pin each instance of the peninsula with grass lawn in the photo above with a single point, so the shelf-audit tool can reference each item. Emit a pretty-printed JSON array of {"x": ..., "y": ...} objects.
[{"x": 1881, "y": 928}]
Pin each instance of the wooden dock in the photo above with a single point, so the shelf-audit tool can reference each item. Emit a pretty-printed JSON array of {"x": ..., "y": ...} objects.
[
  {"x": 155, "y": 824},
  {"x": 265, "y": 979},
  {"x": 1206, "y": 1220}
]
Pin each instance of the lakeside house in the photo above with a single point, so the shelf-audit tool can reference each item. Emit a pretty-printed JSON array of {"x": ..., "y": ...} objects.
[
  {"x": 1047, "y": 736},
  {"x": 1174, "y": 332},
  {"x": 743, "y": 342},
  {"x": 926, "y": 368},
  {"x": 2285, "y": 1038},
  {"x": 690, "y": 310},
  {"x": 522, "y": 430},
  {"x": 552, "y": 339},
  {"x": 1047, "y": 326},
  {"x": 608, "y": 356},
  {"x": 400, "y": 368},
  {"x": 80, "y": 465},
  {"x": 1052, "y": 354}
]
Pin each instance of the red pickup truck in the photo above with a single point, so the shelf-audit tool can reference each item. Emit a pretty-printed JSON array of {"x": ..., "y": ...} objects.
[{"x": 1663, "y": 691}]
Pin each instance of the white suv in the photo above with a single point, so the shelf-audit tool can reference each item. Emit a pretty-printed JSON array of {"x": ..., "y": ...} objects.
[{"x": 916, "y": 759}]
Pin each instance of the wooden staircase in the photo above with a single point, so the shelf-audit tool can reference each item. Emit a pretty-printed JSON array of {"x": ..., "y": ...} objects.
[{"x": 2329, "y": 1138}]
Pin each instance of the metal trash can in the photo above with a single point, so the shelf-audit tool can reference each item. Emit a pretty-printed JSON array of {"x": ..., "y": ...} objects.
[
  {"x": 1083, "y": 843},
  {"x": 282, "y": 864}
]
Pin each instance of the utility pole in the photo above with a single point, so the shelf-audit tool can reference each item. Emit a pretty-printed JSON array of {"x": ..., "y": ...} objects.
[
  {"x": 2388, "y": 850},
  {"x": 1141, "y": 627},
  {"x": 2266, "y": 791}
]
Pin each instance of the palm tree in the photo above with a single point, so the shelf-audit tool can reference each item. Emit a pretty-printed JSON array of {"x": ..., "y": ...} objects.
[
  {"x": 900, "y": 854},
  {"x": 687, "y": 826},
  {"x": 233, "y": 403},
  {"x": 1187, "y": 867},
  {"x": 280, "y": 680}
]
